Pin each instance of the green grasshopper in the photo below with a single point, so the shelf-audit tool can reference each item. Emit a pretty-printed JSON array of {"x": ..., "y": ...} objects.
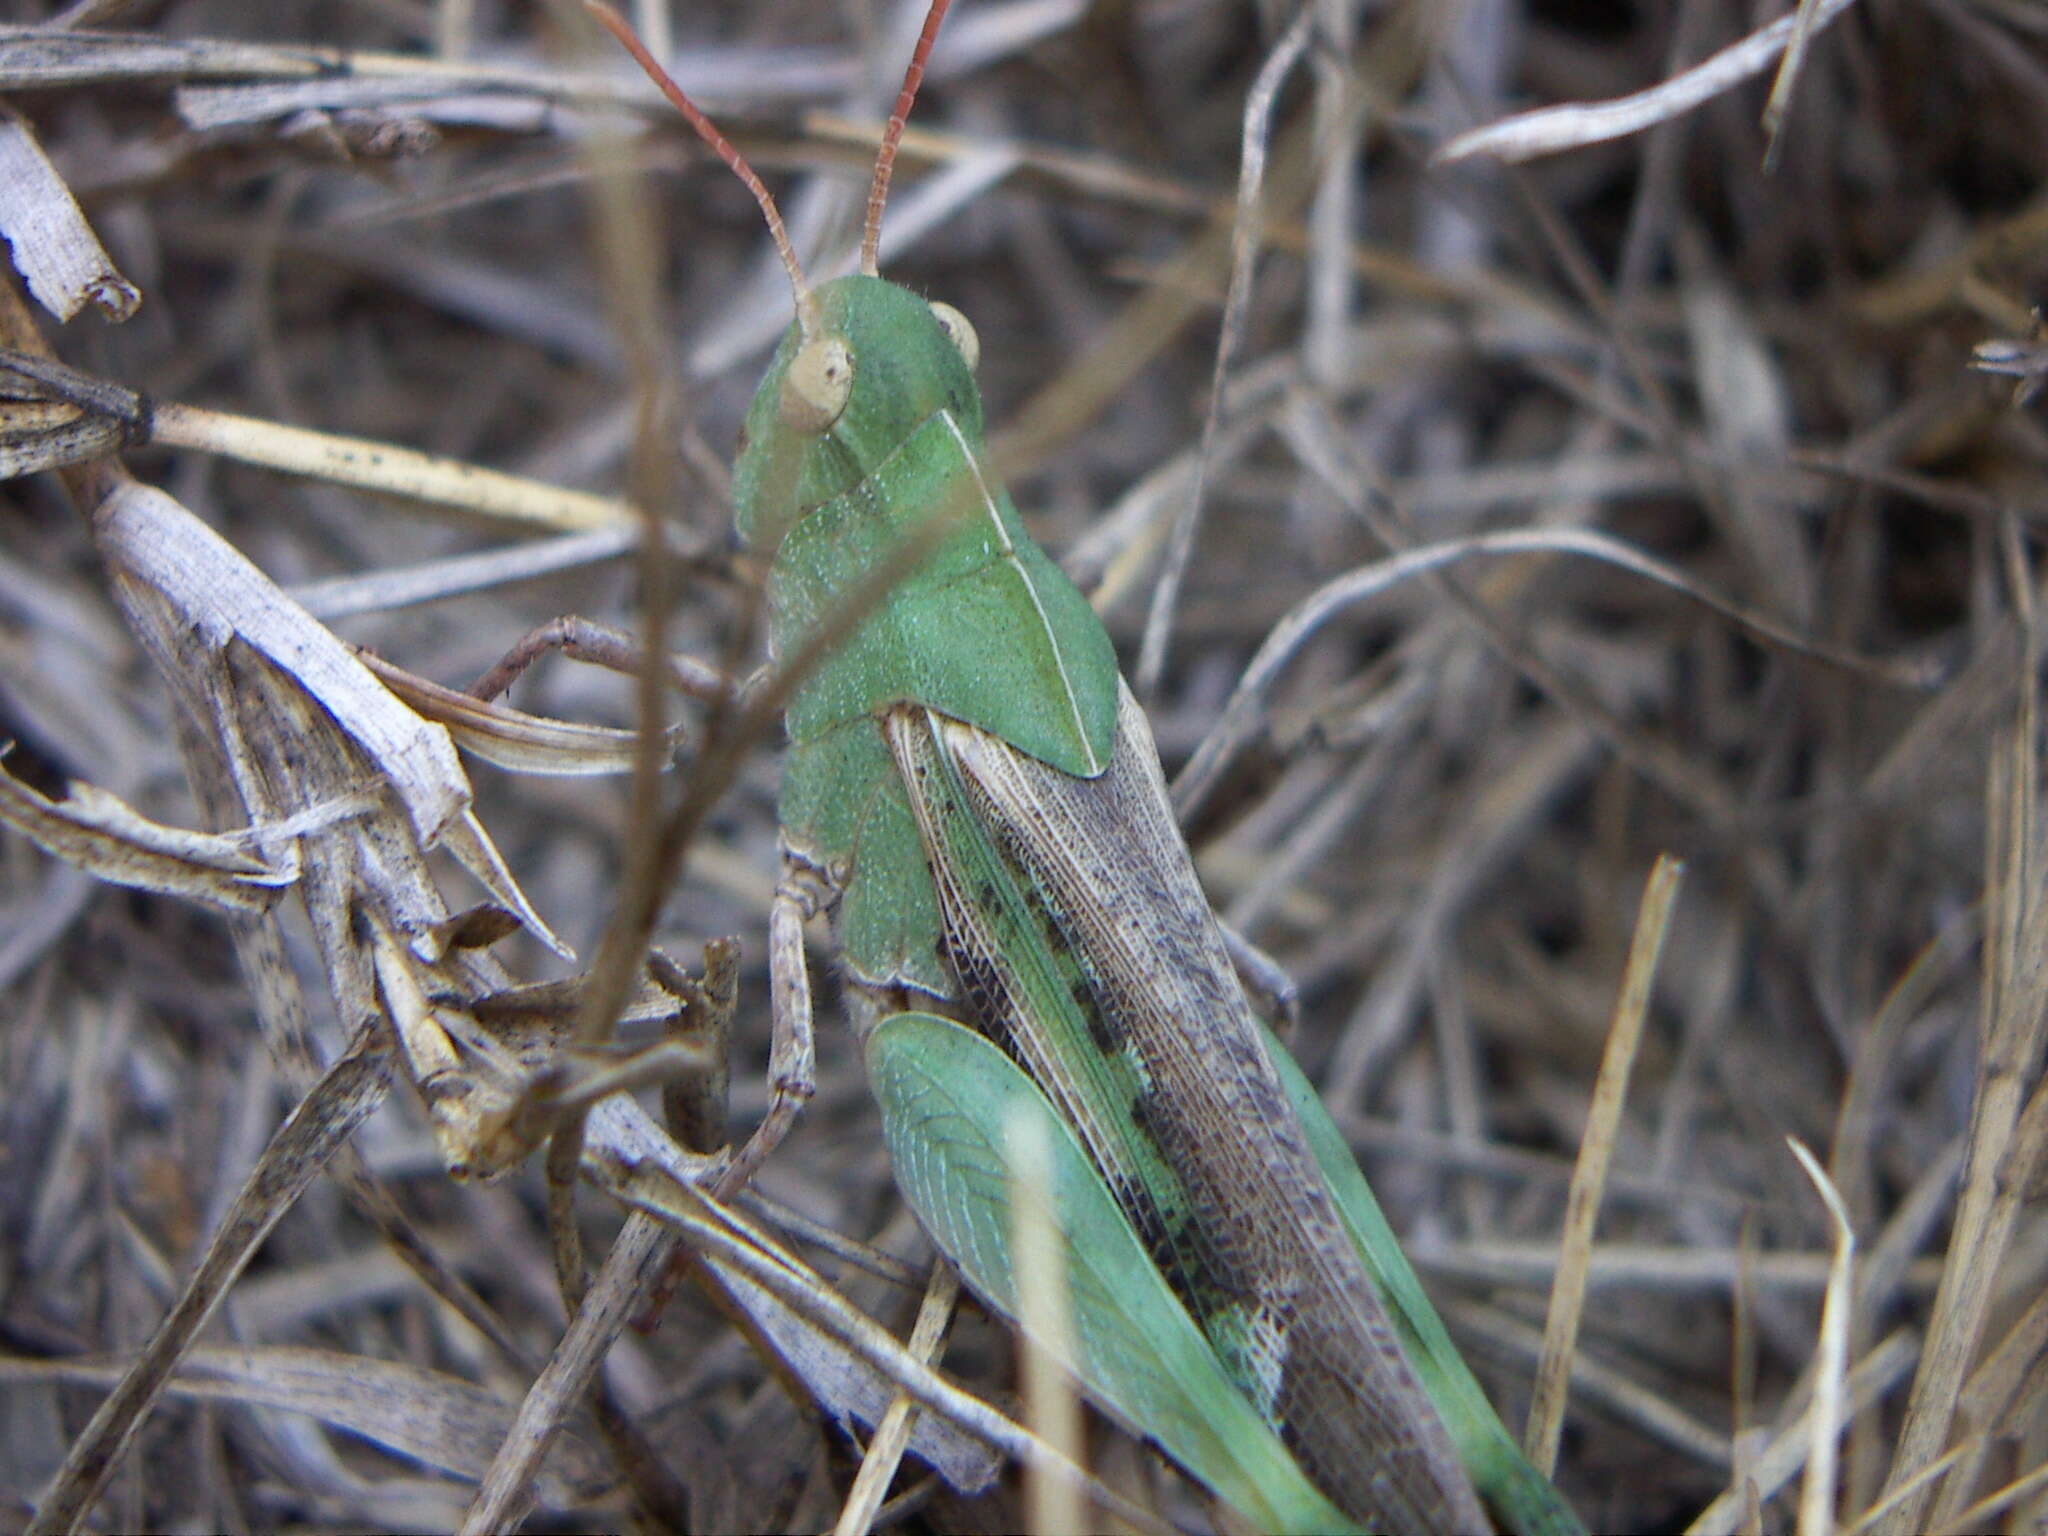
[{"x": 974, "y": 795}]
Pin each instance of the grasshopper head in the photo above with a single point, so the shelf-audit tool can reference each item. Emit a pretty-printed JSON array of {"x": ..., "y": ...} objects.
[{"x": 836, "y": 404}]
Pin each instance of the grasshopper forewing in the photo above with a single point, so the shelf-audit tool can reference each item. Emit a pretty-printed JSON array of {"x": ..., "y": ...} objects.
[{"x": 974, "y": 795}]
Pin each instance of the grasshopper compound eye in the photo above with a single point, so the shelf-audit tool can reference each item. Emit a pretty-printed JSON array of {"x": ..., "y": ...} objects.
[
  {"x": 818, "y": 384},
  {"x": 960, "y": 332}
]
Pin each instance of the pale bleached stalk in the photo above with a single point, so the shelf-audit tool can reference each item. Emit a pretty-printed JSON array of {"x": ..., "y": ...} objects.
[
  {"x": 1051, "y": 1409},
  {"x": 382, "y": 467},
  {"x": 1817, "y": 1495},
  {"x": 1573, "y": 125},
  {"x": 1589, "y": 1178},
  {"x": 892, "y": 1435}
]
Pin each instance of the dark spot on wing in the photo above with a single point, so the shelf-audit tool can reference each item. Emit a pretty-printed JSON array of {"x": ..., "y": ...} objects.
[
  {"x": 1145, "y": 1216},
  {"x": 1183, "y": 1241},
  {"x": 1102, "y": 1026},
  {"x": 1141, "y": 1117}
]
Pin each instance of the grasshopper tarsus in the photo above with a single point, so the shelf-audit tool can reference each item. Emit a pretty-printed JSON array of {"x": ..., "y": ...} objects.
[{"x": 694, "y": 1105}]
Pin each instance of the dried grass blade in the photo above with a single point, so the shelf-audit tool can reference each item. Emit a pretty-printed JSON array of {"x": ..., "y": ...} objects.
[
  {"x": 849, "y": 1385},
  {"x": 1817, "y": 1494},
  {"x": 1807, "y": 23},
  {"x": 110, "y": 840},
  {"x": 1980, "y": 1514},
  {"x": 381, "y": 591},
  {"x": 1239, "y": 721},
  {"x": 511, "y": 738},
  {"x": 1589, "y": 1176},
  {"x": 345, "y": 1097},
  {"x": 164, "y": 554},
  {"x": 389, "y": 470},
  {"x": 1871, "y": 1378},
  {"x": 1052, "y": 1407},
  {"x": 716, "y": 1233},
  {"x": 892, "y": 1435},
  {"x": 1528, "y": 135},
  {"x": 1244, "y": 251},
  {"x": 429, "y": 1416},
  {"x": 1996, "y": 1391},
  {"x": 636, "y": 1260},
  {"x": 54, "y": 248},
  {"x": 2013, "y": 1036}
]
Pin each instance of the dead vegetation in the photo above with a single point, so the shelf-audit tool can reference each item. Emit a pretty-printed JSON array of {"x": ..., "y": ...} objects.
[{"x": 1633, "y": 499}]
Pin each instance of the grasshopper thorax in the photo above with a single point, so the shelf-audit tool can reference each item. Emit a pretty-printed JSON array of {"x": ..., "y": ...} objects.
[{"x": 843, "y": 395}]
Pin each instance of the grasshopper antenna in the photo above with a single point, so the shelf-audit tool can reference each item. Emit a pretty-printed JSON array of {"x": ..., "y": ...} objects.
[
  {"x": 806, "y": 306},
  {"x": 885, "y": 157}
]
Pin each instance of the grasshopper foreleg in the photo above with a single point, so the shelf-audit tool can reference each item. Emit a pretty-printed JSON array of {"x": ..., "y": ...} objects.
[
  {"x": 792, "y": 1055},
  {"x": 585, "y": 640}
]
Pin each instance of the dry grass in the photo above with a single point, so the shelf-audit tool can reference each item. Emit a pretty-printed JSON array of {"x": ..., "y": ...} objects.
[{"x": 1438, "y": 812}]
